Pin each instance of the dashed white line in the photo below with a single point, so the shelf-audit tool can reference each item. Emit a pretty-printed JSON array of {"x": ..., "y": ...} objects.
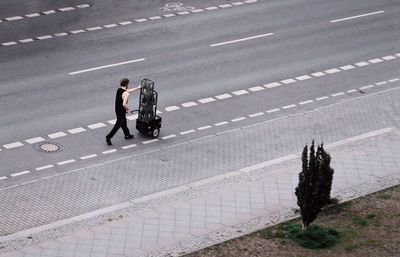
[
  {"x": 366, "y": 87},
  {"x": 197, "y": 10},
  {"x": 26, "y": 40},
  {"x": 376, "y": 60},
  {"x": 76, "y": 130},
  {"x": 49, "y": 12},
  {"x": 238, "y": 3},
  {"x": 394, "y": 80},
  {"x": 398, "y": 54},
  {"x": 389, "y": 57},
  {"x": 250, "y": 1},
  {"x": 88, "y": 156},
  {"x": 132, "y": 117},
  {"x": 15, "y": 18},
  {"x": 66, "y": 9},
  {"x": 306, "y": 102},
  {"x": 256, "y": 114},
  {"x": 20, "y": 173},
  {"x": 240, "y": 92},
  {"x": 31, "y": 15},
  {"x": 83, "y": 5},
  {"x": 65, "y": 162},
  {"x": 3, "y": 178},
  {"x": 97, "y": 125},
  {"x": 211, "y": 8},
  {"x": 155, "y": 18},
  {"x": 171, "y": 108},
  {"x": 273, "y": 110},
  {"x": 338, "y": 94},
  {"x": 109, "y": 151},
  {"x": 288, "y": 106},
  {"x": 110, "y": 26},
  {"x": 34, "y": 140},
  {"x": 13, "y": 145},
  {"x": 9, "y": 43},
  {"x": 169, "y": 15},
  {"x": 94, "y": 28},
  {"x": 361, "y": 64},
  {"x": 223, "y": 96},
  {"x": 203, "y": 128},
  {"x": 56, "y": 135},
  {"x": 187, "y": 132},
  {"x": 129, "y": 146},
  {"x": 183, "y": 13},
  {"x": 242, "y": 39},
  {"x": 150, "y": 141},
  {"x": 331, "y": 71},
  {"x": 347, "y": 67},
  {"x": 238, "y": 119},
  {"x": 322, "y": 98},
  {"x": 318, "y": 74},
  {"x": 107, "y": 66},
  {"x": 255, "y": 89},
  {"x": 381, "y": 83},
  {"x": 357, "y": 16},
  {"x": 288, "y": 81},
  {"x": 206, "y": 100},
  {"x": 225, "y": 5},
  {"x": 221, "y": 123},
  {"x": 304, "y": 77},
  {"x": 272, "y": 85},
  {"x": 44, "y": 37},
  {"x": 351, "y": 90},
  {"x": 77, "y": 31},
  {"x": 168, "y": 137},
  {"x": 123, "y": 23},
  {"x": 45, "y": 167},
  {"x": 62, "y": 34},
  {"x": 189, "y": 104}
]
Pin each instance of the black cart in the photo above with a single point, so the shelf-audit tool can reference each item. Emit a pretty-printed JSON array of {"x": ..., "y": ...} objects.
[{"x": 148, "y": 122}]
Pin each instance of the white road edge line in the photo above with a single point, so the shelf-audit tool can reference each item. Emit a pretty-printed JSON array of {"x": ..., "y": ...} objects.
[
  {"x": 242, "y": 39},
  {"x": 107, "y": 66},
  {"x": 357, "y": 16}
]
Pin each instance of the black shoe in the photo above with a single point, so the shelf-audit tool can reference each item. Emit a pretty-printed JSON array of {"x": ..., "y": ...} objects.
[
  {"x": 108, "y": 140},
  {"x": 129, "y": 137}
]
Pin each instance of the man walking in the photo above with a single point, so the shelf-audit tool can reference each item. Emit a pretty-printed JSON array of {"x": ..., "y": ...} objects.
[{"x": 121, "y": 108}]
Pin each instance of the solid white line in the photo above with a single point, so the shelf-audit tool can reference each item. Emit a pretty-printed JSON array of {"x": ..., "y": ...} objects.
[
  {"x": 45, "y": 167},
  {"x": 357, "y": 16},
  {"x": 322, "y": 98},
  {"x": 366, "y": 87},
  {"x": 88, "y": 156},
  {"x": 223, "y": 96},
  {"x": 76, "y": 130},
  {"x": 273, "y": 110},
  {"x": 3, "y": 178},
  {"x": 57, "y": 135},
  {"x": 338, "y": 94},
  {"x": 150, "y": 141},
  {"x": 107, "y": 66},
  {"x": 13, "y": 145},
  {"x": 268, "y": 163},
  {"x": 187, "y": 132},
  {"x": 238, "y": 119},
  {"x": 288, "y": 81},
  {"x": 221, "y": 123},
  {"x": 240, "y": 92},
  {"x": 129, "y": 146},
  {"x": 273, "y": 84},
  {"x": 168, "y": 137},
  {"x": 109, "y": 151},
  {"x": 256, "y": 114},
  {"x": 20, "y": 173},
  {"x": 306, "y": 102},
  {"x": 171, "y": 108},
  {"x": 189, "y": 104},
  {"x": 65, "y": 162},
  {"x": 255, "y": 89},
  {"x": 34, "y": 140},
  {"x": 206, "y": 100},
  {"x": 203, "y": 128},
  {"x": 288, "y": 106},
  {"x": 242, "y": 39},
  {"x": 97, "y": 125}
]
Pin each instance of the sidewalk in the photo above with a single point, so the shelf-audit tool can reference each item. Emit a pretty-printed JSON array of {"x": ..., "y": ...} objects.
[{"x": 362, "y": 137}]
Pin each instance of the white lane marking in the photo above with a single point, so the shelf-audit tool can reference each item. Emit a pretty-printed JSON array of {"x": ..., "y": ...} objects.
[
  {"x": 109, "y": 151},
  {"x": 171, "y": 108},
  {"x": 49, "y": 12},
  {"x": 26, "y": 40},
  {"x": 44, "y": 37},
  {"x": 155, "y": 18},
  {"x": 150, "y": 141},
  {"x": 187, "y": 132},
  {"x": 322, "y": 98},
  {"x": 66, "y": 9},
  {"x": 168, "y": 137},
  {"x": 183, "y": 13},
  {"x": 338, "y": 94},
  {"x": 288, "y": 106},
  {"x": 76, "y": 130},
  {"x": 256, "y": 114},
  {"x": 273, "y": 84},
  {"x": 56, "y": 135},
  {"x": 255, "y": 89},
  {"x": 129, "y": 146},
  {"x": 221, "y": 123},
  {"x": 318, "y": 74},
  {"x": 31, "y": 15},
  {"x": 11, "y": 43},
  {"x": 304, "y": 77},
  {"x": 205, "y": 127},
  {"x": 398, "y": 54},
  {"x": 132, "y": 117},
  {"x": 273, "y": 110},
  {"x": 306, "y": 102},
  {"x": 77, "y": 31},
  {"x": 34, "y": 140},
  {"x": 206, "y": 100},
  {"x": 225, "y": 5},
  {"x": 13, "y": 145},
  {"x": 62, "y": 34},
  {"x": 331, "y": 71},
  {"x": 223, "y": 96},
  {"x": 240, "y": 92},
  {"x": 288, "y": 81},
  {"x": 347, "y": 67},
  {"x": 141, "y": 20},
  {"x": 20, "y": 173},
  {"x": 238, "y": 119},
  {"x": 169, "y": 15},
  {"x": 366, "y": 87},
  {"x": 15, "y": 18},
  {"x": 3, "y": 178},
  {"x": 242, "y": 39},
  {"x": 65, "y": 162},
  {"x": 250, "y": 1},
  {"x": 197, "y": 10},
  {"x": 96, "y": 125},
  {"x": 189, "y": 104},
  {"x": 357, "y": 16},
  {"x": 83, "y": 5},
  {"x": 237, "y": 3},
  {"x": 381, "y": 83},
  {"x": 45, "y": 167},
  {"x": 394, "y": 80},
  {"x": 94, "y": 28},
  {"x": 107, "y": 66},
  {"x": 123, "y": 23},
  {"x": 376, "y": 60},
  {"x": 110, "y": 26},
  {"x": 389, "y": 57},
  {"x": 361, "y": 64},
  {"x": 351, "y": 90},
  {"x": 211, "y": 8},
  {"x": 88, "y": 156}
]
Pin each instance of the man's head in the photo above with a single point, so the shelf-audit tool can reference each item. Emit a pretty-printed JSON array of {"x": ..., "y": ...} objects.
[{"x": 124, "y": 82}]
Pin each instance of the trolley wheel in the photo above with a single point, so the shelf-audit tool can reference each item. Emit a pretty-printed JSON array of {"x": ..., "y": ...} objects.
[{"x": 155, "y": 132}]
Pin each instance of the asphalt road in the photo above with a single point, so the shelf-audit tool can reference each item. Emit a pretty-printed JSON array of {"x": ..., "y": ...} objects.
[{"x": 46, "y": 86}]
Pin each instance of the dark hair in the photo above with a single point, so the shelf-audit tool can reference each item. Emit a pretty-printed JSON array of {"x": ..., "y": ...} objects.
[{"x": 124, "y": 82}]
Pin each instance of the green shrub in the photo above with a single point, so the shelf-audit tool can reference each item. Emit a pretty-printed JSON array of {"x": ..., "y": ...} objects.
[{"x": 314, "y": 237}]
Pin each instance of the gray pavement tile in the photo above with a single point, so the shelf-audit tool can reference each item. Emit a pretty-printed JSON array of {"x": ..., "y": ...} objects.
[
  {"x": 13, "y": 254},
  {"x": 65, "y": 253}
]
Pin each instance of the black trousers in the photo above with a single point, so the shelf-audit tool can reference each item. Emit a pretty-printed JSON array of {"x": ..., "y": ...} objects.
[{"x": 120, "y": 123}]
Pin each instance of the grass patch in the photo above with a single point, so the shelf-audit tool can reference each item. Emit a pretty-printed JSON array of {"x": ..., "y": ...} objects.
[{"x": 336, "y": 208}]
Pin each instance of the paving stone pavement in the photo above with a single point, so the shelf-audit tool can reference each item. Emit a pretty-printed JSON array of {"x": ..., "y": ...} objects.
[{"x": 218, "y": 210}]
